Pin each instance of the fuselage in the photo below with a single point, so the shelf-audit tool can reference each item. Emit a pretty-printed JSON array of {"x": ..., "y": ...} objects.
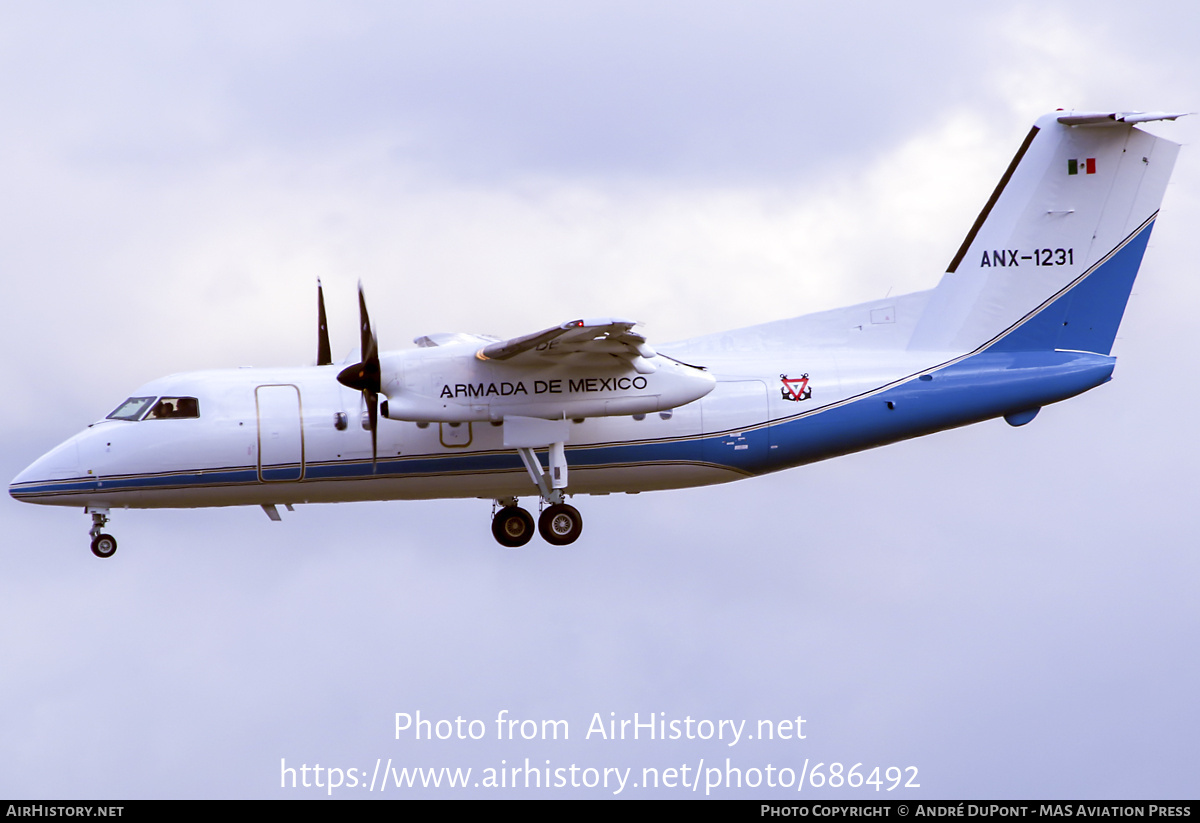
[{"x": 295, "y": 435}]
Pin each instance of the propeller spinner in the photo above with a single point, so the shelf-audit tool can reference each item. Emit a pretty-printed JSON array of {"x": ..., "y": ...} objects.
[{"x": 365, "y": 375}]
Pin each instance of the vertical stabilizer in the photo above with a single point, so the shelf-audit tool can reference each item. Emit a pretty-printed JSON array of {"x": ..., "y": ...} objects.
[{"x": 1050, "y": 262}]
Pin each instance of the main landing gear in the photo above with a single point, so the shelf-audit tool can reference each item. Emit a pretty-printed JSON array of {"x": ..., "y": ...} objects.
[
  {"x": 560, "y": 524},
  {"x": 103, "y": 545}
]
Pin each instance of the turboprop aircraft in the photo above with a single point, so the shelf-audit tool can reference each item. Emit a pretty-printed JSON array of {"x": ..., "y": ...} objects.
[{"x": 1025, "y": 315}]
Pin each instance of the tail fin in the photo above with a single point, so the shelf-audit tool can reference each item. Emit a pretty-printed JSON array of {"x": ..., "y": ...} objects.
[{"x": 1051, "y": 259}]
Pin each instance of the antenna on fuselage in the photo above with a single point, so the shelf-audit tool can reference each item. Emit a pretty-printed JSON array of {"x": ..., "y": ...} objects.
[{"x": 324, "y": 357}]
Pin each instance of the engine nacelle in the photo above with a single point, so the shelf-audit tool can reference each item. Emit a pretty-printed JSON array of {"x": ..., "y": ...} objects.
[{"x": 446, "y": 387}]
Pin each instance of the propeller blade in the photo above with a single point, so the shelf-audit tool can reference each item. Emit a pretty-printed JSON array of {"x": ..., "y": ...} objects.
[
  {"x": 370, "y": 348},
  {"x": 324, "y": 357},
  {"x": 365, "y": 375}
]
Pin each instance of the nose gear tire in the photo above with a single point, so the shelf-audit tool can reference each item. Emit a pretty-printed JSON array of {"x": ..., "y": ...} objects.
[{"x": 104, "y": 545}]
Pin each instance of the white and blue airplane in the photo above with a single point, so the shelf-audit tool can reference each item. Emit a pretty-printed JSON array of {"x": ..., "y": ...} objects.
[{"x": 1025, "y": 315}]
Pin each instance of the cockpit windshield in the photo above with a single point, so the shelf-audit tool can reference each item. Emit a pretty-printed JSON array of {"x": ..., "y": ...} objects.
[
  {"x": 131, "y": 409},
  {"x": 167, "y": 408}
]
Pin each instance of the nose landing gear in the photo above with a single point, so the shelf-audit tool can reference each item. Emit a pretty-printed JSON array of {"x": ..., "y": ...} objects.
[{"x": 103, "y": 545}]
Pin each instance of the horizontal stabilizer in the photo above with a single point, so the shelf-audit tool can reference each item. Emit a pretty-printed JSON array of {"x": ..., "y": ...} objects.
[{"x": 1115, "y": 118}]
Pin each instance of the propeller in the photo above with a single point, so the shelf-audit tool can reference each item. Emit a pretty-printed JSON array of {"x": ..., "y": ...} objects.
[
  {"x": 324, "y": 358},
  {"x": 365, "y": 375}
]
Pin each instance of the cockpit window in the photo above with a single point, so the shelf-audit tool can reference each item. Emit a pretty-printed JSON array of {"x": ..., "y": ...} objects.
[
  {"x": 131, "y": 409},
  {"x": 167, "y": 408},
  {"x": 174, "y": 408}
]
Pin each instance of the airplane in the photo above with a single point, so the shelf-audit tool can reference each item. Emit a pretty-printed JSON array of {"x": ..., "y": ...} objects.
[{"x": 1025, "y": 315}]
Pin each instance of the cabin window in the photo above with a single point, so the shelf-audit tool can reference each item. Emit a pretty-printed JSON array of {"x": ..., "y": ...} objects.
[
  {"x": 174, "y": 408},
  {"x": 132, "y": 409}
]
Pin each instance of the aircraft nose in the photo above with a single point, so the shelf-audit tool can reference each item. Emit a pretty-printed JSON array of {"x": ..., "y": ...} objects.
[{"x": 57, "y": 464}]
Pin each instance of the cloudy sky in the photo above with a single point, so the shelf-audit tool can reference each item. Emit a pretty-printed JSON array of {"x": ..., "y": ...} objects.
[{"x": 1010, "y": 611}]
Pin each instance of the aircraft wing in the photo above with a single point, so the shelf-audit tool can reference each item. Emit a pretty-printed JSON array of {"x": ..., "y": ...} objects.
[{"x": 607, "y": 335}]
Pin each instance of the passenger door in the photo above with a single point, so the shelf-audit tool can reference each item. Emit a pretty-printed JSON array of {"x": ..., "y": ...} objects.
[{"x": 280, "y": 436}]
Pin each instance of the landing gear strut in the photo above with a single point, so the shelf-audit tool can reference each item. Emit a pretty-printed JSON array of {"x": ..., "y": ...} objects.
[{"x": 103, "y": 545}]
